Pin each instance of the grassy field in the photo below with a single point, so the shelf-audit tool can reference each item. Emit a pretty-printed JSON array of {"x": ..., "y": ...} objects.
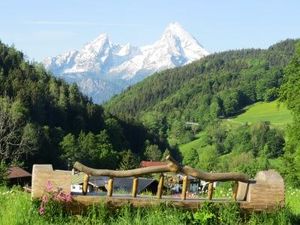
[
  {"x": 278, "y": 115},
  {"x": 198, "y": 143},
  {"x": 16, "y": 208}
]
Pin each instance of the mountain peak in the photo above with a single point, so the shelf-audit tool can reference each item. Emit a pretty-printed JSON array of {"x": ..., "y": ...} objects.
[
  {"x": 174, "y": 26},
  {"x": 100, "y": 40},
  {"x": 113, "y": 67},
  {"x": 175, "y": 29},
  {"x": 102, "y": 36}
]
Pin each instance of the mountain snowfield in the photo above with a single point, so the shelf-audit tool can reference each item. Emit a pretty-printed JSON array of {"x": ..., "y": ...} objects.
[{"x": 102, "y": 69}]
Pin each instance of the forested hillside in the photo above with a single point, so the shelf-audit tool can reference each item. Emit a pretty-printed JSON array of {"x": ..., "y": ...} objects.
[
  {"x": 216, "y": 86},
  {"x": 290, "y": 94},
  {"x": 45, "y": 120},
  {"x": 190, "y": 106}
]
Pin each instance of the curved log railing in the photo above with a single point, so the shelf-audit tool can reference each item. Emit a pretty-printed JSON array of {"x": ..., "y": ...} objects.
[
  {"x": 265, "y": 192},
  {"x": 172, "y": 166}
]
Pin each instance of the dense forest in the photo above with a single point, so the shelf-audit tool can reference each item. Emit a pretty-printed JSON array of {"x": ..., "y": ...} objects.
[
  {"x": 218, "y": 85},
  {"x": 45, "y": 120},
  {"x": 206, "y": 92},
  {"x": 290, "y": 94}
]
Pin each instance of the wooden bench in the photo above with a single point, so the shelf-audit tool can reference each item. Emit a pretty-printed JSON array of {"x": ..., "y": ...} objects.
[{"x": 264, "y": 192}]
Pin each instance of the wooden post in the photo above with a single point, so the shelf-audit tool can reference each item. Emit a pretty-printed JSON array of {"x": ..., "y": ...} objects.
[
  {"x": 160, "y": 186},
  {"x": 184, "y": 187},
  {"x": 210, "y": 190},
  {"x": 235, "y": 189},
  {"x": 85, "y": 184},
  {"x": 110, "y": 186},
  {"x": 135, "y": 185}
]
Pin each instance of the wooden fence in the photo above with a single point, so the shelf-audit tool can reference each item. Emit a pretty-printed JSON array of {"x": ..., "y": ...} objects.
[{"x": 264, "y": 192}]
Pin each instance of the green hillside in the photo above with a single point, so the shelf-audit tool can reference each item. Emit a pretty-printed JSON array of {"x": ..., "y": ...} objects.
[
  {"x": 217, "y": 86},
  {"x": 194, "y": 144},
  {"x": 45, "y": 120},
  {"x": 275, "y": 113}
]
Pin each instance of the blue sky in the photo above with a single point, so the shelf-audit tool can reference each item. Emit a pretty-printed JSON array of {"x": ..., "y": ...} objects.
[{"x": 47, "y": 28}]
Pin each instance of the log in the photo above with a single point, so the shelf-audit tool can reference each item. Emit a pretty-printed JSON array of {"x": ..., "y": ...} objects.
[
  {"x": 135, "y": 184},
  {"x": 172, "y": 166},
  {"x": 184, "y": 187},
  {"x": 110, "y": 186},
  {"x": 126, "y": 173},
  {"x": 85, "y": 184},
  {"x": 210, "y": 190},
  {"x": 160, "y": 186},
  {"x": 211, "y": 177}
]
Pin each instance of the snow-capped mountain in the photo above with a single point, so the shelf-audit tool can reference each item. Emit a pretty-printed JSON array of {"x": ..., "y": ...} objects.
[{"x": 102, "y": 69}]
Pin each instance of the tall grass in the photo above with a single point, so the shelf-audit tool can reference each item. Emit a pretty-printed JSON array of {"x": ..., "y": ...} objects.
[
  {"x": 293, "y": 200},
  {"x": 16, "y": 208}
]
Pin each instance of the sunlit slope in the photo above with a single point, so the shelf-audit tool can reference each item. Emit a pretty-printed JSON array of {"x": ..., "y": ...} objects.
[
  {"x": 277, "y": 114},
  {"x": 274, "y": 112}
]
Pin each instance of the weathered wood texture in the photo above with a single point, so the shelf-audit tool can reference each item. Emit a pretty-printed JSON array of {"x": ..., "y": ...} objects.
[
  {"x": 85, "y": 184},
  {"x": 42, "y": 174},
  {"x": 110, "y": 186},
  {"x": 242, "y": 190},
  {"x": 264, "y": 193},
  {"x": 141, "y": 201},
  {"x": 160, "y": 186},
  {"x": 184, "y": 187},
  {"x": 135, "y": 184},
  {"x": 172, "y": 166},
  {"x": 210, "y": 191},
  {"x": 267, "y": 191}
]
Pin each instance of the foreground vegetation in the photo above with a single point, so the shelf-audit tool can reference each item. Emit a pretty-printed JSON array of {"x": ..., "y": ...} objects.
[{"x": 17, "y": 208}]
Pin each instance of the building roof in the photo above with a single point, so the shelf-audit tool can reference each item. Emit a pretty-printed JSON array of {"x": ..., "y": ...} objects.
[
  {"x": 125, "y": 184},
  {"x": 152, "y": 163},
  {"x": 120, "y": 183},
  {"x": 17, "y": 172}
]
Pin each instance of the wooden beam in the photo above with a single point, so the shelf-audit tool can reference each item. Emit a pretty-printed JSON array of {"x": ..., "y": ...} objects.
[
  {"x": 85, "y": 184},
  {"x": 160, "y": 186},
  {"x": 211, "y": 177},
  {"x": 110, "y": 186},
  {"x": 235, "y": 189},
  {"x": 184, "y": 187},
  {"x": 172, "y": 166},
  {"x": 210, "y": 190},
  {"x": 135, "y": 185}
]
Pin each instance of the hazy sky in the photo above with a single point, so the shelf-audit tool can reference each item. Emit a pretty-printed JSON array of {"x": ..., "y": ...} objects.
[{"x": 47, "y": 28}]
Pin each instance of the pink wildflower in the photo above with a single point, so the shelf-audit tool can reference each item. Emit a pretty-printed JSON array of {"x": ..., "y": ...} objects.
[
  {"x": 68, "y": 197},
  {"x": 45, "y": 199},
  {"x": 42, "y": 210}
]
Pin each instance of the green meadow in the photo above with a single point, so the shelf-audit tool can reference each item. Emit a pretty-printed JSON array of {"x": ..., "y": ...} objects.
[{"x": 274, "y": 112}]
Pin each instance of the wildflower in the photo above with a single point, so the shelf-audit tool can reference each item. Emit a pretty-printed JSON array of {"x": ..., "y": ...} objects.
[
  {"x": 68, "y": 197},
  {"x": 51, "y": 195},
  {"x": 45, "y": 199},
  {"x": 42, "y": 210}
]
